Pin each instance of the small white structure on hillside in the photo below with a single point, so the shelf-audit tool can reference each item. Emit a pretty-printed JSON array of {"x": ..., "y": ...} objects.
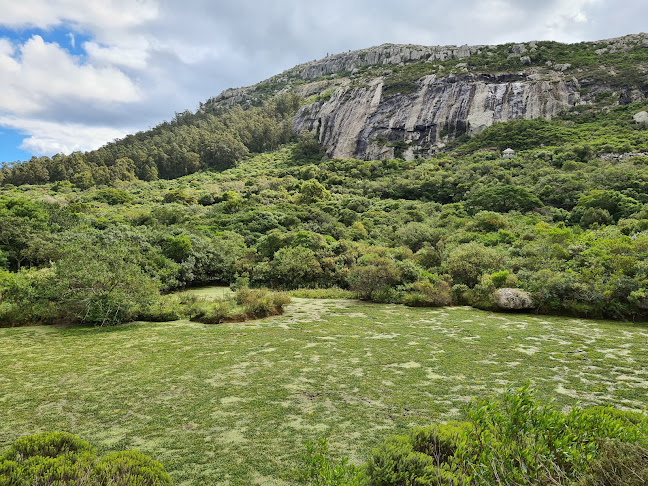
[{"x": 509, "y": 153}]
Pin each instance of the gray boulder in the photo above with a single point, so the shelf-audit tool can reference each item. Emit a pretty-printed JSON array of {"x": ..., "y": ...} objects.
[
  {"x": 512, "y": 299},
  {"x": 641, "y": 118}
]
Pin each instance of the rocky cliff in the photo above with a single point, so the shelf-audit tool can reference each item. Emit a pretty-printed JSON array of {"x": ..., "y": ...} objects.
[
  {"x": 362, "y": 122},
  {"x": 408, "y": 101}
]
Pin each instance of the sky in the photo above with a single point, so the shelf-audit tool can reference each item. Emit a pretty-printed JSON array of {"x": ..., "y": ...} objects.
[{"x": 76, "y": 74}]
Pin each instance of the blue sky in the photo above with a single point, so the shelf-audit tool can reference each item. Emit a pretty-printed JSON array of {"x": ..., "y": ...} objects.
[
  {"x": 11, "y": 140},
  {"x": 75, "y": 75}
]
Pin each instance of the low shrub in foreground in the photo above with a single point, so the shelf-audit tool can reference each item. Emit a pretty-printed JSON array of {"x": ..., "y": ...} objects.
[
  {"x": 512, "y": 441},
  {"x": 63, "y": 459}
]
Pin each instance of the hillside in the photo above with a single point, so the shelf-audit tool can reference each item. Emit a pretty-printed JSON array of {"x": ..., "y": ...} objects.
[
  {"x": 383, "y": 102},
  {"x": 565, "y": 220},
  {"x": 368, "y": 103},
  {"x": 373, "y": 188}
]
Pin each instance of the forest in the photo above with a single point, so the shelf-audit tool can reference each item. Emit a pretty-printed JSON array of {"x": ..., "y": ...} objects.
[{"x": 112, "y": 231}]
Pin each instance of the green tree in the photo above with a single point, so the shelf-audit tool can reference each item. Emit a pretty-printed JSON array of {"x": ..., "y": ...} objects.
[{"x": 102, "y": 286}]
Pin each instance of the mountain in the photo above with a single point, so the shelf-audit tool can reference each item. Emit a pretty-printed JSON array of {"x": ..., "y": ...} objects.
[
  {"x": 242, "y": 191},
  {"x": 408, "y": 101},
  {"x": 390, "y": 101}
]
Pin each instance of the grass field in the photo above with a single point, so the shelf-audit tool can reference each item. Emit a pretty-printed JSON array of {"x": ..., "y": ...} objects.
[{"x": 233, "y": 403}]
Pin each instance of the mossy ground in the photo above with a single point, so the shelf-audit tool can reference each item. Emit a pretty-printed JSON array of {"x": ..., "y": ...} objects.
[{"x": 233, "y": 403}]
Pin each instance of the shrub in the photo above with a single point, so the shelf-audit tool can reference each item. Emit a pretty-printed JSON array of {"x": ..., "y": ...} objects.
[
  {"x": 467, "y": 262},
  {"x": 461, "y": 294},
  {"x": 260, "y": 303},
  {"x": 216, "y": 314},
  {"x": 295, "y": 267},
  {"x": 422, "y": 457},
  {"x": 514, "y": 441},
  {"x": 330, "y": 293},
  {"x": 104, "y": 287},
  {"x": 318, "y": 468},
  {"x": 60, "y": 458},
  {"x": 527, "y": 443},
  {"x": 374, "y": 275},
  {"x": 619, "y": 464},
  {"x": 112, "y": 196},
  {"x": 502, "y": 199},
  {"x": 429, "y": 294},
  {"x": 131, "y": 468}
]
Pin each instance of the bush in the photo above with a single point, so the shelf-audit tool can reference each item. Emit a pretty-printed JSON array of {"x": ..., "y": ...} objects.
[
  {"x": 420, "y": 458},
  {"x": 502, "y": 199},
  {"x": 103, "y": 287},
  {"x": 330, "y": 293},
  {"x": 466, "y": 263},
  {"x": 131, "y": 468},
  {"x": 216, "y": 314},
  {"x": 60, "y": 458},
  {"x": 259, "y": 303},
  {"x": 513, "y": 441},
  {"x": 318, "y": 468},
  {"x": 527, "y": 443},
  {"x": 429, "y": 294},
  {"x": 619, "y": 464},
  {"x": 374, "y": 275}
]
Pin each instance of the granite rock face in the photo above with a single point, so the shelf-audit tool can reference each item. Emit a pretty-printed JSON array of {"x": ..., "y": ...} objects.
[
  {"x": 353, "y": 111},
  {"x": 363, "y": 122}
]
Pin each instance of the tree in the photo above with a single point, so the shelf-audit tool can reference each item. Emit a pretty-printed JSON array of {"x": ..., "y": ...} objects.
[
  {"x": 102, "y": 286},
  {"x": 502, "y": 199},
  {"x": 295, "y": 267},
  {"x": 312, "y": 191}
]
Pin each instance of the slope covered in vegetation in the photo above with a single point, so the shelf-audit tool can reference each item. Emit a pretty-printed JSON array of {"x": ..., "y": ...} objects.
[{"x": 565, "y": 220}]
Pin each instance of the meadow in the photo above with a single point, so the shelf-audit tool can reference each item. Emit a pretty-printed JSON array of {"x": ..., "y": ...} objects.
[{"x": 234, "y": 403}]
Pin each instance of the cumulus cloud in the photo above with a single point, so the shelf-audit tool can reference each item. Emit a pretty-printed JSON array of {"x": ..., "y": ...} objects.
[
  {"x": 44, "y": 72},
  {"x": 53, "y": 137},
  {"x": 101, "y": 15},
  {"x": 143, "y": 60}
]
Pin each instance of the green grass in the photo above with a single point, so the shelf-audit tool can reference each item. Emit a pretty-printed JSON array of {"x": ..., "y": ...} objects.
[
  {"x": 233, "y": 403},
  {"x": 207, "y": 293}
]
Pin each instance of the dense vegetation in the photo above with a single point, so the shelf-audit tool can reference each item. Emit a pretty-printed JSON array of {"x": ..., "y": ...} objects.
[
  {"x": 566, "y": 220},
  {"x": 214, "y": 139},
  {"x": 514, "y": 441},
  {"x": 62, "y": 459}
]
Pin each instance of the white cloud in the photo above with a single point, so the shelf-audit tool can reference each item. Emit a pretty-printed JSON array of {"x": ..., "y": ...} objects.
[
  {"x": 116, "y": 56},
  {"x": 44, "y": 73},
  {"x": 146, "y": 59},
  {"x": 46, "y": 138},
  {"x": 99, "y": 14}
]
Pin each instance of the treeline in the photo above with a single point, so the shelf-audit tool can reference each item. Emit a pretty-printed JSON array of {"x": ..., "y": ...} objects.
[{"x": 189, "y": 143}]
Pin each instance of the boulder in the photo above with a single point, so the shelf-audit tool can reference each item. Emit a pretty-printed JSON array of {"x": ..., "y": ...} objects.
[
  {"x": 641, "y": 118},
  {"x": 525, "y": 60},
  {"x": 512, "y": 299}
]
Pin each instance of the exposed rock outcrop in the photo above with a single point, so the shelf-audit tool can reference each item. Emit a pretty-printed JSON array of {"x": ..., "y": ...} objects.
[
  {"x": 358, "y": 108},
  {"x": 386, "y": 54},
  {"x": 641, "y": 118},
  {"x": 363, "y": 122}
]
